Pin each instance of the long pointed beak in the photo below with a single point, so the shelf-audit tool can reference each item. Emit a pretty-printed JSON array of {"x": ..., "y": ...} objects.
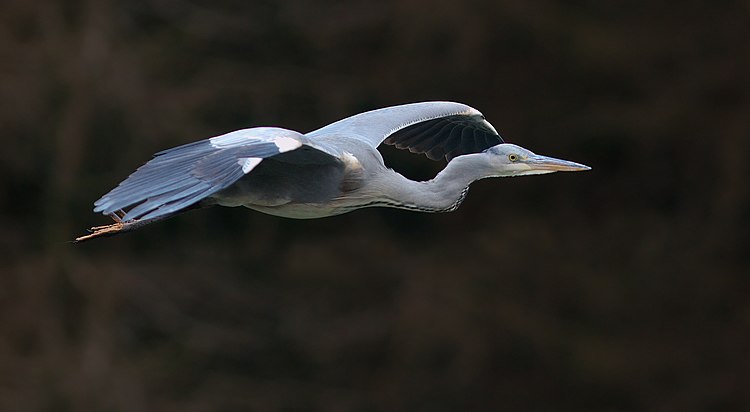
[{"x": 550, "y": 164}]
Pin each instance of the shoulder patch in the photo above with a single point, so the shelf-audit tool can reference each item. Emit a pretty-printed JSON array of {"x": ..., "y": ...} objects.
[
  {"x": 248, "y": 163},
  {"x": 286, "y": 144}
]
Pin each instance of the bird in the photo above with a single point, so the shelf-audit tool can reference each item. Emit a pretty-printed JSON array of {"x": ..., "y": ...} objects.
[{"x": 329, "y": 171}]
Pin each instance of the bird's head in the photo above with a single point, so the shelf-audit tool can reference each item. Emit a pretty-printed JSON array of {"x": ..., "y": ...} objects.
[{"x": 512, "y": 160}]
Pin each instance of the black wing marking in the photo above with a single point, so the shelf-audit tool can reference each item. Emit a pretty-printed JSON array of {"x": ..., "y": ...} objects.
[{"x": 446, "y": 137}]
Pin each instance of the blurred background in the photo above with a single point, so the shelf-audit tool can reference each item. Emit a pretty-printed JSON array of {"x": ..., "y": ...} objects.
[{"x": 623, "y": 288}]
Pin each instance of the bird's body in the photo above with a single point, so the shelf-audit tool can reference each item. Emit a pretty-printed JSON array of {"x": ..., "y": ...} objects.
[
  {"x": 329, "y": 171},
  {"x": 302, "y": 183},
  {"x": 360, "y": 179}
]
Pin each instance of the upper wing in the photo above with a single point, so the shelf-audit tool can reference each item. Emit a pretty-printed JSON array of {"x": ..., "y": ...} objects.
[
  {"x": 177, "y": 178},
  {"x": 438, "y": 129}
]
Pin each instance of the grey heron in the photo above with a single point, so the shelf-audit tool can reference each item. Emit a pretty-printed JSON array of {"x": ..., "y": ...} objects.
[{"x": 326, "y": 172}]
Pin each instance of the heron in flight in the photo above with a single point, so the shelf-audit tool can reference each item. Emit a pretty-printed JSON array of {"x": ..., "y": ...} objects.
[{"x": 326, "y": 172}]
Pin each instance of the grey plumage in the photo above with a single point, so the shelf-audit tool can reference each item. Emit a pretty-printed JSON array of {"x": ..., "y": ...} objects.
[{"x": 332, "y": 170}]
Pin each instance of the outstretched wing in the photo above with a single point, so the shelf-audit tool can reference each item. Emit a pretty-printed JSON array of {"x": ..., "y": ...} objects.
[
  {"x": 437, "y": 129},
  {"x": 177, "y": 178}
]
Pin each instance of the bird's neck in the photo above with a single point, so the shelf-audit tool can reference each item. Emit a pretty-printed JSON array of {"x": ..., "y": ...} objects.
[{"x": 445, "y": 192}]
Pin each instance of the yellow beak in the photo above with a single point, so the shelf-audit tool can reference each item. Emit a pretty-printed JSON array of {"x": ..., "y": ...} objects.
[{"x": 550, "y": 164}]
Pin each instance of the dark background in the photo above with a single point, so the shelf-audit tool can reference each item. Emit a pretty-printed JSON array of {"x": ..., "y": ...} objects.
[{"x": 623, "y": 288}]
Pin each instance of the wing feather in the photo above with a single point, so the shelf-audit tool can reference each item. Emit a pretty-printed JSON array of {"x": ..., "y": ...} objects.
[
  {"x": 456, "y": 135},
  {"x": 418, "y": 127},
  {"x": 182, "y": 176}
]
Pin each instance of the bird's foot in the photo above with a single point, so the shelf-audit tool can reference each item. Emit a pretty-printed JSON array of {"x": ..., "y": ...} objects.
[
  {"x": 98, "y": 231},
  {"x": 121, "y": 226},
  {"x": 106, "y": 230}
]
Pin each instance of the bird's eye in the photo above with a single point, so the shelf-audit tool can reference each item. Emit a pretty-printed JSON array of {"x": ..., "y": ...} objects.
[{"x": 513, "y": 157}]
